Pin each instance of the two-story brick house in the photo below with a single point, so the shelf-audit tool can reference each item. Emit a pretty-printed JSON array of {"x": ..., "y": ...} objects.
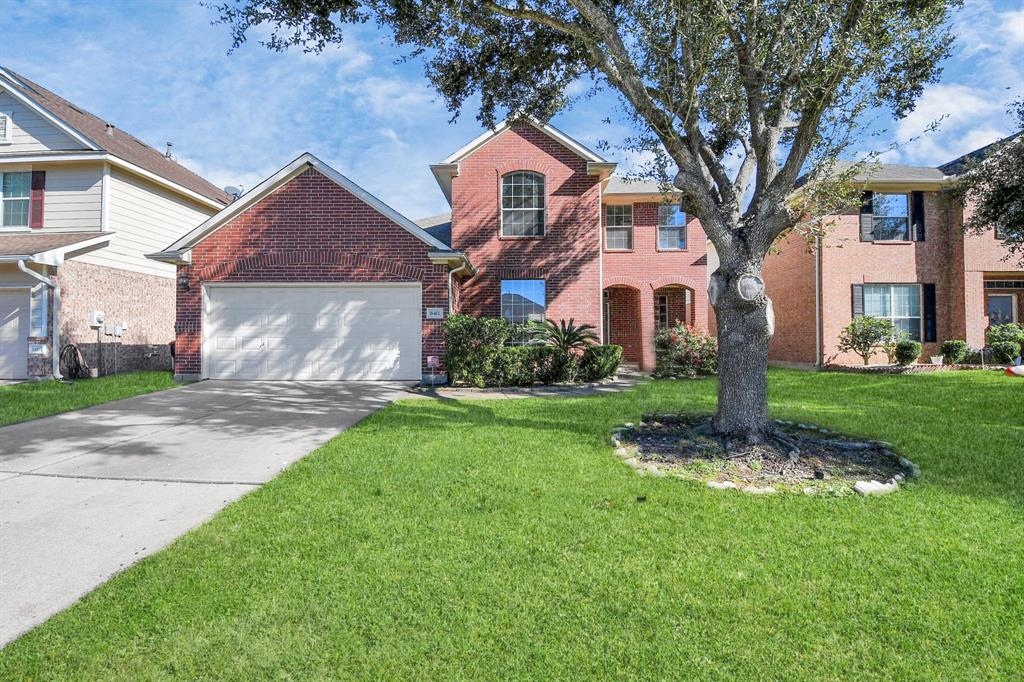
[
  {"x": 902, "y": 256},
  {"x": 553, "y": 233},
  {"x": 82, "y": 202},
  {"x": 308, "y": 276}
]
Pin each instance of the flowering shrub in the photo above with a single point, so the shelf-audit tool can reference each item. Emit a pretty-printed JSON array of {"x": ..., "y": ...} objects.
[{"x": 684, "y": 351}]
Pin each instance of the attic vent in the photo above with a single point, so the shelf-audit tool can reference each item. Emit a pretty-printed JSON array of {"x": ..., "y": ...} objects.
[
  {"x": 5, "y": 127},
  {"x": 110, "y": 129},
  {"x": 77, "y": 109}
]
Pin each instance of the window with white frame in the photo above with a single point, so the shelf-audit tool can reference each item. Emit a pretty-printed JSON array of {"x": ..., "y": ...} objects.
[
  {"x": 899, "y": 303},
  {"x": 662, "y": 312},
  {"x": 6, "y": 128},
  {"x": 891, "y": 216},
  {"x": 522, "y": 204},
  {"x": 671, "y": 228},
  {"x": 38, "y": 311},
  {"x": 523, "y": 300},
  {"x": 618, "y": 229},
  {"x": 15, "y": 193}
]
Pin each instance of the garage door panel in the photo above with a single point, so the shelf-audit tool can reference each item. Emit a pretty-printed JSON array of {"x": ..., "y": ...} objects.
[{"x": 313, "y": 333}]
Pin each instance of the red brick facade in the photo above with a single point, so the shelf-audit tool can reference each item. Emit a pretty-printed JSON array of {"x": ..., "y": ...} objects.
[
  {"x": 308, "y": 230},
  {"x": 578, "y": 271},
  {"x": 567, "y": 257},
  {"x": 956, "y": 264}
]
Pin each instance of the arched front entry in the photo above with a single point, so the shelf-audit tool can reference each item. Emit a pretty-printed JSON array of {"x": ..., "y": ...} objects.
[{"x": 633, "y": 311}]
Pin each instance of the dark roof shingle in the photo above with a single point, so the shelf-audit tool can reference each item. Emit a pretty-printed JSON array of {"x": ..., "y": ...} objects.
[
  {"x": 117, "y": 142},
  {"x": 31, "y": 244}
]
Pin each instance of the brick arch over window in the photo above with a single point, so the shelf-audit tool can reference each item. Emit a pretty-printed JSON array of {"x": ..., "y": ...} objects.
[
  {"x": 619, "y": 281},
  {"x": 344, "y": 261},
  {"x": 676, "y": 281}
]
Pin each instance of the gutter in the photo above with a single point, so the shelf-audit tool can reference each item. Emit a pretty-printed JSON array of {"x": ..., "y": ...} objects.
[
  {"x": 54, "y": 322},
  {"x": 449, "y": 257}
]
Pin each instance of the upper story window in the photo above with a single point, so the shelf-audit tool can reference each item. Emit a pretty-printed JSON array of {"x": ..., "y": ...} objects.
[
  {"x": 522, "y": 204},
  {"x": 671, "y": 228},
  {"x": 15, "y": 193},
  {"x": 891, "y": 217},
  {"x": 523, "y": 300},
  {"x": 618, "y": 230}
]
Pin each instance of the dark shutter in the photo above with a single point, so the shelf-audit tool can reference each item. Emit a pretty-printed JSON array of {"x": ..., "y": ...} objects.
[
  {"x": 928, "y": 293},
  {"x": 867, "y": 217},
  {"x": 35, "y": 218},
  {"x": 858, "y": 300},
  {"x": 917, "y": 216}
]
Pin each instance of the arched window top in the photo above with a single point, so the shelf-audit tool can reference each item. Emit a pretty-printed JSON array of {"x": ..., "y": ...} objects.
[{"x": 522, "y": 204}]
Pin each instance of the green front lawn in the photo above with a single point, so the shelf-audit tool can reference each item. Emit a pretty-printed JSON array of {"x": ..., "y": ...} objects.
[
  {"x": 34, "y": 399},
  {"x": 446, "y": 540}
]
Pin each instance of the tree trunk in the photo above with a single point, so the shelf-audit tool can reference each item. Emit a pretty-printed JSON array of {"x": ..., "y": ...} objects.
[{"x": 745, "y": 325}]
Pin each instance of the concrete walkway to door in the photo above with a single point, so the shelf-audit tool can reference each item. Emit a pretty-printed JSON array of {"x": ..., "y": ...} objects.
[{"x": 86, "y": 494}]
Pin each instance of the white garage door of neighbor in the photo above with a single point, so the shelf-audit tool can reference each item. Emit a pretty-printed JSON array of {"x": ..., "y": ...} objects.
[
  {"x": 326, "y": 332},
  {"x": 13, "y": 331}
]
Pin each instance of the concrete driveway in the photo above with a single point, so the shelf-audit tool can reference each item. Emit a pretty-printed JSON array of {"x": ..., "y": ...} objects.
[{"x": 86, "y": 494}]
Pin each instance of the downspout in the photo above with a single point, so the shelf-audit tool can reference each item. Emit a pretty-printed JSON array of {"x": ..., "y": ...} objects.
[
  {"x": 818, "y": 360},
  {"x": 457, "y": 271},
  {"x": 55, "y": 321}
]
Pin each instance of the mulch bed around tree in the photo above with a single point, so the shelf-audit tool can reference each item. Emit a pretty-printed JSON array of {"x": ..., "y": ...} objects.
[{"x": 800, "y": 457}]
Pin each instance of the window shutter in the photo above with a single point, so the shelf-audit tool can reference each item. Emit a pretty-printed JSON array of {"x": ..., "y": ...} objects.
[
  {"x": 867, "y": 226},
  {"x": 917, "y": 216},
  {"x": 928, "y": 294},
  {"x": 858, "y": 300},
  {"x": 35, "y": 218}
]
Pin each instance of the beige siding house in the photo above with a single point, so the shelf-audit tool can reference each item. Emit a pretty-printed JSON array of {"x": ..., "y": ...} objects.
[{"x": 81, "y": 203}]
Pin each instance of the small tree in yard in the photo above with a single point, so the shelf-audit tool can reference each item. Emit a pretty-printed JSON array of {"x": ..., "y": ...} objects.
[
  {"x": 732, "y": 99},
  {"x": 865, "y": 334}
]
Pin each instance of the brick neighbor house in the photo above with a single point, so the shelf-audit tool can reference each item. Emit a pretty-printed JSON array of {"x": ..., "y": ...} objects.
[
  {"x": 81, "y": 203},
  {"x": 308, "y": 276},
  {"x": 903, "y": 256}
]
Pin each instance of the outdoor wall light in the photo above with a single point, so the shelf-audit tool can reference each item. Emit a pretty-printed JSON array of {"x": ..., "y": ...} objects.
[{"x": 184, "y": 281}]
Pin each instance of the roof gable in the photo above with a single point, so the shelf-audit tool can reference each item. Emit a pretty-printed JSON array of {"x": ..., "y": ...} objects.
[
  {"x": 93, "y": 133},
  {"x": 176, "y": 251},
  {"x": 551, "y": 131}
]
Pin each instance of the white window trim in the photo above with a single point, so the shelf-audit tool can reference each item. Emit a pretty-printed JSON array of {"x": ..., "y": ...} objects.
[
  {"x": 618, "y": 227},
  {"x": 673, "y": 226},
  {"x": 662, "y": 299},
  {"x": 8, "y": 137},
  {"x": 16, "y": 228},
  {"x": 502, "y": 209},
  {"x": 893, "y": 318},
  {"x": 1013, "y": 304},
  {"x": 39, "y": 301}
]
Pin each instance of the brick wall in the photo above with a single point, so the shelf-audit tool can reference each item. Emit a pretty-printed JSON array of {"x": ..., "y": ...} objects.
[
  {"x": 624, "y": 305},
  {"x": 308, "y": 230},
  {"x": 566, "y": 257},
  {"x": 144, "y": 302},
  {"x": 789, "y": 282}
]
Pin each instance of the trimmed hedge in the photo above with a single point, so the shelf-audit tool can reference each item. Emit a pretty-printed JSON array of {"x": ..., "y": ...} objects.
[
  {"x": 954, "y": 351},
  {"x": 684, "y": 351},
  {"x": 1006, "y": 351},
  {"x": 478, "y": 354},
  {"x": 907, "y": 351}
]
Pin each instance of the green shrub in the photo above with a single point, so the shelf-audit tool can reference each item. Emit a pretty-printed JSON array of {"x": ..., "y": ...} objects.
[
  {"x": 865, "y": 334},
  {"x": 954, "y": 351},
  {"x": 1012, "y": 331},
  {"x": 1006, "y": 351},
  {"x": 907, "y": 351},
  {"x": 600, "y": 362},
  {"x": 472, "y": 345},
  {"x": 682, "y": 350}
]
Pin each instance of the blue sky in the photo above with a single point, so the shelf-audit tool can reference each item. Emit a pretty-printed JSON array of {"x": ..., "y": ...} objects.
[{"x": 160, "y": 71}]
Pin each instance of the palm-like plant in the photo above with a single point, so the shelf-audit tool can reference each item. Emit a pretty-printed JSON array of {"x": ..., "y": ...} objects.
[{"x": 567, "y": 336}]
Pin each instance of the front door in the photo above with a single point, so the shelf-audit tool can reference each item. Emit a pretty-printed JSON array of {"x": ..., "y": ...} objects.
[{"x": 1002, "y": 308}]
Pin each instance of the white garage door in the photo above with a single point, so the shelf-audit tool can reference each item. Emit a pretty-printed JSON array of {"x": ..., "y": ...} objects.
[
  {"x": 13, "y": 331},
  {"x": 312, "y": 332}
]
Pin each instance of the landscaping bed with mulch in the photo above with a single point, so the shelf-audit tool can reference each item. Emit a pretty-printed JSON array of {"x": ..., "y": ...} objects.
[{"x": 798, "y": 458}]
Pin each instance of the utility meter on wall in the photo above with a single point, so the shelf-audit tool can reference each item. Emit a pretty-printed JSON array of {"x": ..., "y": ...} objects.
[{"x": 96, "y": 319}]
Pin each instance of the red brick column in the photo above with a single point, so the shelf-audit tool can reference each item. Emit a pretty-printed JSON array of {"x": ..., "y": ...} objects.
[{"x": 647, "y": 330}]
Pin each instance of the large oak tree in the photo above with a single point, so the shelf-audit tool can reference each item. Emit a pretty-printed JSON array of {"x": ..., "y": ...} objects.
[{"x": 735, "y": 98}]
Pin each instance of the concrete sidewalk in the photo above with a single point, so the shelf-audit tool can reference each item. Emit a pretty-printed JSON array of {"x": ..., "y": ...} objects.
[{"x": 85, "y": 494}]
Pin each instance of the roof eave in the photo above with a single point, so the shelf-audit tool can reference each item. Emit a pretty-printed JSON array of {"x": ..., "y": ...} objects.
[
  {"x": 443, "y": 173},
  {"x": 453, "y": 259},
  {"x": 172, "y": 257}
]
